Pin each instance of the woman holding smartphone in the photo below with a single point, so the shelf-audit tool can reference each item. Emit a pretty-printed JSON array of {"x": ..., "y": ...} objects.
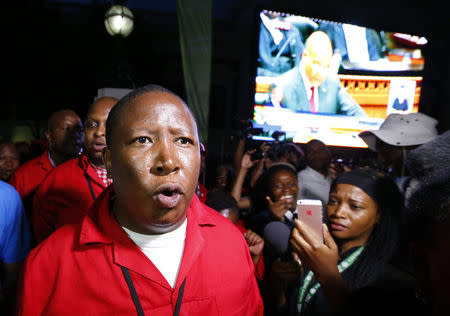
[{"x": 361, "y": 237}]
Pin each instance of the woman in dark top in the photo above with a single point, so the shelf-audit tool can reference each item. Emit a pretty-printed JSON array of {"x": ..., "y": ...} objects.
[{"x": 361, "y": 237}]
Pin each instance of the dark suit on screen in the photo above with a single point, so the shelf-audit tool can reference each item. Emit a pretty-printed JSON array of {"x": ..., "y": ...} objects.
[
  {"x": 375, "y": 44},
  {"x": 274, "y": 59},
  {"x": 333, "y": 98}
]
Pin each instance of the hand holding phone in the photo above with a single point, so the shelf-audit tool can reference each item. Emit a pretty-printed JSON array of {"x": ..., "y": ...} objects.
[{"x": 310, "y": 214}]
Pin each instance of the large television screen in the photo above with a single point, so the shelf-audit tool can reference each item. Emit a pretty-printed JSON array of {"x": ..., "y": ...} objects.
[{"x": 318, "y": 79}]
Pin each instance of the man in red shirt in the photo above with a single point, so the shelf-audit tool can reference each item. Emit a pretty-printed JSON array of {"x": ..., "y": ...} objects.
[
  {"x": 68, "y": 191},
  {"x": 148, "y": 245},
  {"x": 65, "y": 139}
]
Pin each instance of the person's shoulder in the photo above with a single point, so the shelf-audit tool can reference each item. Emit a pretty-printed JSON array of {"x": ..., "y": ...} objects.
[
  {"x": 58, "y": 244},
  {"x": 69, "y": 164},
  {"x": 8, "y": 192},
  {"x": 331, "y": 81},
  {"x": 6, "y": 187},
  {"x": 215, "y": 217},
  {"x": 62, "y": 171},
  {"x": 23, "y": 169},
  {"x": 287, "y": 76},
  {"x": 206, "y": 216},
  {"x": 305, "y": 172}
]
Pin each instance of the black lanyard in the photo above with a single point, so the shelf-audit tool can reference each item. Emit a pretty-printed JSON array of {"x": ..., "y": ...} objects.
[
  {"x": 90, "y": 185},
  {"x": 134, "y": 296}
]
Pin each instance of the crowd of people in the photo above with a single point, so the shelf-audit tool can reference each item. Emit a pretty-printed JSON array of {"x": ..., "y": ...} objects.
[{"x": 113, "y": 217}]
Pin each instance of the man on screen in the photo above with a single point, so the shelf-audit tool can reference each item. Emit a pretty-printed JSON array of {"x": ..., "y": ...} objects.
[{"x": 312, "y": 87}]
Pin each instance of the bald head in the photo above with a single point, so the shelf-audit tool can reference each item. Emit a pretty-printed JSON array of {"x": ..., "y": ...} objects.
[
  {"x": 319, "y": 44},
  {"x": 55, "y": 119},
  {"x": 103, "y": 102},
  {"x": 64, "y": 135},
  {"x": 114, "y": 116},
  {"x": 316, "y": 57}
]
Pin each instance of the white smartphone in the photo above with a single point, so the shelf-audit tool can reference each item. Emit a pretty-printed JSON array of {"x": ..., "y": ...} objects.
[{"x": 309, "y": 213}]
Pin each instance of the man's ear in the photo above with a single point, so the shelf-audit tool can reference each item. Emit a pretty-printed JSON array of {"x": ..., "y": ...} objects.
[
  {"x": 106, "y": 155},
  {"x": 47, "y": 136}
]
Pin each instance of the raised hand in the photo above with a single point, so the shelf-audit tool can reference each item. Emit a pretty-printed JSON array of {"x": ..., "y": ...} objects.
[
  {"x": 280, "y": 207},
  {"x": 247, "y": 162}
]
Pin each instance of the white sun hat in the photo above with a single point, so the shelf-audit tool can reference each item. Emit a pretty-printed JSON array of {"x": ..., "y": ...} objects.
[{"x": 403, "y": 130}]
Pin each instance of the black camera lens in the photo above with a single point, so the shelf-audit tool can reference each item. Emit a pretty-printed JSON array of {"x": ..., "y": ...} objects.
[{"x": 257, "y": 154}]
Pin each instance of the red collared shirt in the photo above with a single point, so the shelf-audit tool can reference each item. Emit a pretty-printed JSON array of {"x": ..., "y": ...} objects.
[
  {"x": 77, "y": 270},
  {"x": 102, "y": 174},
  {"x": 28, "y": 177},
  {"x": 64, "y": 196}
]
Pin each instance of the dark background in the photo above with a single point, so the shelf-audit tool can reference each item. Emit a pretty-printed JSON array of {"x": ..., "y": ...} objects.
[{"x": 58, "y": 53}]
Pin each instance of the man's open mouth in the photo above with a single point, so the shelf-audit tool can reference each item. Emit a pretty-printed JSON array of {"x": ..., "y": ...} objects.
[{"x": 168, "y": 195}]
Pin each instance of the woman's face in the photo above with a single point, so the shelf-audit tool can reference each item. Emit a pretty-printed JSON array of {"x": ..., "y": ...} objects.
[
  {"x": 284, "y": 183},
  {"x": 352, "y": 214}
]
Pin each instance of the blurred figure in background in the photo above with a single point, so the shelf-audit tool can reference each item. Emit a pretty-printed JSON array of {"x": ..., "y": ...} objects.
[
  {"x": 314, "y": 181},
  {"x": 70, "y": 189},
  {"x": 65, "y": 139},
  {"x": 14, "y": 243},
  {"x": 429, "y": 236},
  {"x": 225, "y": 204},
  {"x": 9, "y": 160},
  {"x": 396, "y": 137},
  {"x": 225, "y": 178},
  {"x": 425, "y": 159},
  {"x": 201, "y": 190}
]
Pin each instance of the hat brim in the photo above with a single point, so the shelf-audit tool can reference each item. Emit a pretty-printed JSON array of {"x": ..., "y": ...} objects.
[{"x": 369, "y": 138}]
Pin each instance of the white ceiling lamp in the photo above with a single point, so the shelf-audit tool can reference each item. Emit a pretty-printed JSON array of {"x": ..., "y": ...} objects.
[{"x": 119, "y": 21}]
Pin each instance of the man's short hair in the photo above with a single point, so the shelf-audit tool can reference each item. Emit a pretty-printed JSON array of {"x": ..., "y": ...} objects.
[
  {"x": 220, "y": 200},
  {"x": 114, "y": 115}
]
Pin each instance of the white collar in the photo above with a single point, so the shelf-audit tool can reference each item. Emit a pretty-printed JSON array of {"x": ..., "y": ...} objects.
[{"x": 50, "y": 158}]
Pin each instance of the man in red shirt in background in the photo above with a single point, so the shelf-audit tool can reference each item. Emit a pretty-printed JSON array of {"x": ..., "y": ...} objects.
[
  {"x": 148, "y": 245},
  {"x": 69, "y": 190},
  {"x": 65, "y": 139}
]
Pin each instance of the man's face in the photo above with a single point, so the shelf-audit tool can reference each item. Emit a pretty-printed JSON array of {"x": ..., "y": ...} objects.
[
  {"x": 319, "y": 156},
  {"x": 154, "y": 160},
  {"x": 66, "y": 134},
  {"x": 316, "y": 64},
  {"x": 9, "y": 161},
  {"x": 94, "y": 129},
  {"x": 390, "y": 156}
]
